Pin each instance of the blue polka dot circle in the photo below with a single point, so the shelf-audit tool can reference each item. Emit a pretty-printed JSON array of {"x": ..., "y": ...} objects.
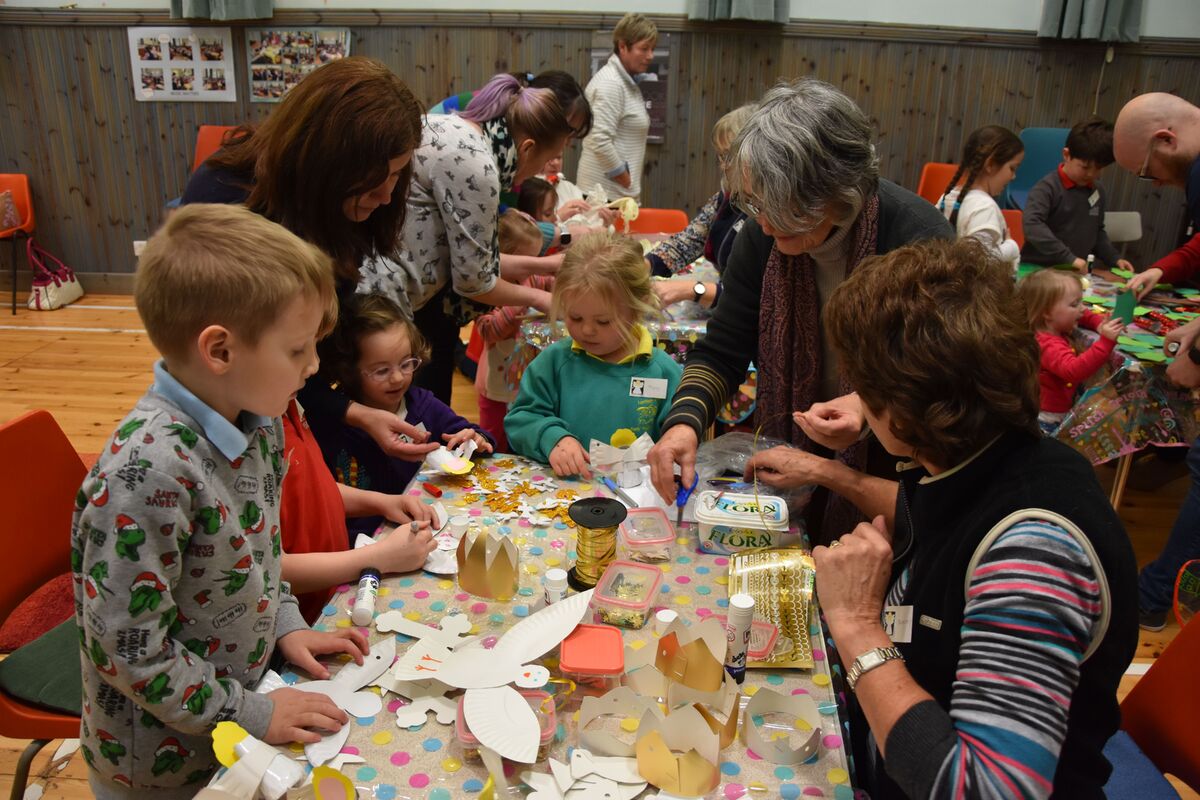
[
  {"x": 432, "y": 745},
  {"x": 437, "y": 605},
  {"x": 789, "y": 791},
  {"x": 439, "y": 794},
  {"x": 329, "y": 611},
  {"x": 396, "y": 604},
  {"x": 406, "y": 582},
  {"x": 385, "y": 791},
  {"x": 729, "y": 768},
  {"x": 785, "y": 773},
  {"x": 366, "y": 773},
  {"x": 473, "y": 785}
]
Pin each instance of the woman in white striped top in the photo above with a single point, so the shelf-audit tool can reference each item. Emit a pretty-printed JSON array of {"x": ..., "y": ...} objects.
[{"x": 614, "y": 152}]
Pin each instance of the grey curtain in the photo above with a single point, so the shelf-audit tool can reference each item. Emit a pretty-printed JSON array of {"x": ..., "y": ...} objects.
[
  {"x": 222, "y": 9},
  {"x": 1105, "y": 20},
  {"x": 757, "y": 10}
]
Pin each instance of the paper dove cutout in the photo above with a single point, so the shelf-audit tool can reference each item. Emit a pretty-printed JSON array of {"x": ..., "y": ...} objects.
[
  {"x": 621, "y": 770},
  {"x": 254, "y": 767},
  {"x": 416, "y": 712},
  {"x": 497, "y": 714},
  {"x": 448, "y": 462},
  {"x": 343, "y": 689},
  {"x": 562, "y": 785}
]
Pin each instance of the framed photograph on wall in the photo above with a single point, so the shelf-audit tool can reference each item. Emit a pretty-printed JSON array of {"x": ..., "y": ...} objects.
[
  {"x": 279, "y": 57},
  {"x": 178, "y": 64}
]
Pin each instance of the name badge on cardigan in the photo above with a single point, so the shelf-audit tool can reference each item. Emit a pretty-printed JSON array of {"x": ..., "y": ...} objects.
[
  {"x": 654, "y": 388},
  {"x": 1094, "y": 198},
  {"x": 897, "y": 623}
]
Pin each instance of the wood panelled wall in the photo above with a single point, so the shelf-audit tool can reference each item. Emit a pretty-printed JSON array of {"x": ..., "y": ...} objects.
[{"x": 102, "y": 165}]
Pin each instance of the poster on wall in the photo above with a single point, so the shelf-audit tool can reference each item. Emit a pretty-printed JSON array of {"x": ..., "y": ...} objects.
[
  {"x": 280, "y": 57},
  {"x": 653, "y": 83},
  {"x": 180, "y": 64}
]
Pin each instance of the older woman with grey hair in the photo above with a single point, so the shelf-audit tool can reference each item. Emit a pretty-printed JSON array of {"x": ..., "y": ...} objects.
[{"x": 805, "y": 172}]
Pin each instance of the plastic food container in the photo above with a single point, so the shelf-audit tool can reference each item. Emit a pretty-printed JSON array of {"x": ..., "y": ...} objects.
[
  {"x": 542, "y": 705},
  {"x": 730, "y": 522},
  {"x": 763, "y": 636},
  {"x": 647, "y": 535},
  {"x": 625, "y": 593},
  {"x": 594, "y": 657}
]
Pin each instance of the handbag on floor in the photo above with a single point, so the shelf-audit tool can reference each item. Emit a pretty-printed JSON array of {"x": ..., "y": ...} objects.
[{"x": 54, "y": 283}]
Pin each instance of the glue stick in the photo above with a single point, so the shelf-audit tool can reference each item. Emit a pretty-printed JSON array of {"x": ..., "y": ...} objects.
[
  {"x": 364, "y": 601},
  {"x": 737, "y": 635}
]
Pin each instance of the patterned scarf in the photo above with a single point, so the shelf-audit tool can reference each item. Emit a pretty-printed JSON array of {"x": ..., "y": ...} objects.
[
  {"x": 503, "y": 148},
  {"x": 789, "y": 351}
]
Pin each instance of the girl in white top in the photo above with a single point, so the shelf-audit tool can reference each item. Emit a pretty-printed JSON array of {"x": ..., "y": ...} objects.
[
  {"x": 990, "y": 160},
  {"x": 614, "y": 151}
]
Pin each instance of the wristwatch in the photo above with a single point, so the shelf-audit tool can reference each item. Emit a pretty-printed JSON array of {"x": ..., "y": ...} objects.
[
  {"x": 564, "y": 236},
  {"x": 869, "y": 661},
  {"x": 698, "y": 291}
]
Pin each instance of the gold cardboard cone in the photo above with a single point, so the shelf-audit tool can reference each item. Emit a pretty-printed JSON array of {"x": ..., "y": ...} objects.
[{"x": 487, "y": 565}]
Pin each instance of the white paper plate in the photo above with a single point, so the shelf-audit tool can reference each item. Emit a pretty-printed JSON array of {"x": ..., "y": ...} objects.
[{"x": 442, "y": 562}]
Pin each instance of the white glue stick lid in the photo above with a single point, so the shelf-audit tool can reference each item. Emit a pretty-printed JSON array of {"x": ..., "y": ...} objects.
[
  {"x": 741, "y": 606},
  {"x": 663, "y": 619}
]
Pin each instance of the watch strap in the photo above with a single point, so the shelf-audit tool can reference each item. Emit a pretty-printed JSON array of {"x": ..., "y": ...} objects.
[{"x": 868, "y": 661}]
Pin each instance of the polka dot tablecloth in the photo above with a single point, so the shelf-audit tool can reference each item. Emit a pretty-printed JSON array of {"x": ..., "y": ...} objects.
[{"x": 428, "y": 762}]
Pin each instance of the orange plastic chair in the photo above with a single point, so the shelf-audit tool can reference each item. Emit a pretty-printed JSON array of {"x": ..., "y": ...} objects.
[
  {"x": 208, "y": 141},
  {"x": 657, "y": 220},
  {"x": 40, "y": 473},
  {"x": 1016, "y": 227},
  {"x": 934, "y": 178},
  {"x": 1159, "y": 713},
  {"x": 23, "y": 199}
]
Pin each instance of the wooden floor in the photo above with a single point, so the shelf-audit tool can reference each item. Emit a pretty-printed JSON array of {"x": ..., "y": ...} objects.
[{"x": 88, "y": 364}]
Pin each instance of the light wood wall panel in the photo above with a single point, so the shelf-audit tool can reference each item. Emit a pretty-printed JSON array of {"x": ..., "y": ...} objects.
[{"x": 102, "y": 165}]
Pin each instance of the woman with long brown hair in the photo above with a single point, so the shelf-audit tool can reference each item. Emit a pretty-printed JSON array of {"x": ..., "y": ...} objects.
[{"x": 333, "y": 164}]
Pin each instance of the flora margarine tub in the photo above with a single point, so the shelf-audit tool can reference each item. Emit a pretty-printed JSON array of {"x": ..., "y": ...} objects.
[{"x": 730, "y": 522}]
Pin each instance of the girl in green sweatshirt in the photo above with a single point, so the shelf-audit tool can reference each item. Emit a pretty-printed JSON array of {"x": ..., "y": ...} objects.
[{"x": 608, "y": 379}]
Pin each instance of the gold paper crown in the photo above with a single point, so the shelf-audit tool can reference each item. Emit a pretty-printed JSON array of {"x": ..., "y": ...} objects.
[
  {"x": 695, "y": 656},
  {"x": 697, "y": 736},
  {"x": 487, "y": 565}
]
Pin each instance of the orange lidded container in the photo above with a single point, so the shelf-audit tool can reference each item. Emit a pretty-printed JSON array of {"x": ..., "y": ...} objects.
[
  {"x": 625, "y": 594},
  {"x": 593, "y": 656}
]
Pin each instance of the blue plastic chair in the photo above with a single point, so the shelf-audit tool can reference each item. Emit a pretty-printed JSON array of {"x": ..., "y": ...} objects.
[{"x": 1043, "y": 152}]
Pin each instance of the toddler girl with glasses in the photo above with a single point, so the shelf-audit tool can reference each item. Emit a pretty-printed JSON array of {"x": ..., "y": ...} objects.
[{"x": 372, "y": 356}]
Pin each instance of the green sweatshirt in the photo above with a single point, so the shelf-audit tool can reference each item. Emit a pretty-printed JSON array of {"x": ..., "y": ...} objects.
[{"x": 567, "y": 392}]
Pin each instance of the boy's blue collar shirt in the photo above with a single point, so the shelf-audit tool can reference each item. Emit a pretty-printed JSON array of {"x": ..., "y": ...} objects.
[{"x": 232, "y": 440}]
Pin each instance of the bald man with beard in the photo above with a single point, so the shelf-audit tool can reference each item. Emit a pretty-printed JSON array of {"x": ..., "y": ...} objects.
[{"x": 1157, "y": 138}]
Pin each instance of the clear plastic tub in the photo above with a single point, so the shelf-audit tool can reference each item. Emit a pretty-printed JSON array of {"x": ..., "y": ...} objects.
[
  {"x": 542, "y": 705},
  {"x": 594, "y": 657},
  {"x": 625, "y": 594},
  {"x": 647, "y": 535},
  {"x": 763, "y": 636}
]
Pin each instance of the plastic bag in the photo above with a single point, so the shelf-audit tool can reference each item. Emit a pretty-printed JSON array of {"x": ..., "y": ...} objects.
[{"x": 726, "y": 456}]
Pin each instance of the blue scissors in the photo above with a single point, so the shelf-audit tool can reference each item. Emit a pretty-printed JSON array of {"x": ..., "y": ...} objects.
[{"x": 682, "y": 495}]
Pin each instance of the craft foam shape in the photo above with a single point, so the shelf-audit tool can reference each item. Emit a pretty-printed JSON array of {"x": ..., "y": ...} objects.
[
  {"x": 501, "y": 719},
  {"x": 620, "y": 702},
  {"x": 595, "y": 787},
  {"x": 693, "y": 656},
  {"x": 530, "y": 639},
  {"x": 780, "y": 751},
  {"x": 487, "y": 565},
  {"x": 449, "y": 632},
  {"x": 330, "y": 784},
  {"x": 321, "y": 752},
  {"x": 449, "y": 463},
  {"x": 415, "y": 713},
  {"x": 617, "y": 769},
  {"x": 543, "y": 785}
]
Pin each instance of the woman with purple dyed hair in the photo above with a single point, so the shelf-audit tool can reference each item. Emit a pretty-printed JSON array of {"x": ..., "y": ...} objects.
[{"x": 450, "y": 267}]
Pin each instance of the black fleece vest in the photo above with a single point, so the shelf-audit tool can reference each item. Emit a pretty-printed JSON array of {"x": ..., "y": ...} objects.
[{"x": 947, "y": 519}]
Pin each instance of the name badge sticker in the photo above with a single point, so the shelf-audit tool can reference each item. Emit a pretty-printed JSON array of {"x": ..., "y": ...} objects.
[
  {"x": 1094, "y": 198},
  {"x": 897, "y": 623},
  {"x": 654, "y": 388}
]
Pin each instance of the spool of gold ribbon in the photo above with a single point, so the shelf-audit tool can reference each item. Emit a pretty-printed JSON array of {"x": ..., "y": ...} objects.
[{"x": 596, "y": 520}]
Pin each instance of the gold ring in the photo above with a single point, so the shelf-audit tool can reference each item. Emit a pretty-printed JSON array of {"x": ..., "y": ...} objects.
[{"x": 835, "y": 543}]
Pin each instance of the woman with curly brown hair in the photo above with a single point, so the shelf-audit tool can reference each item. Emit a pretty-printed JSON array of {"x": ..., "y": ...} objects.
[
  {"x": 986, "y": 615},
  {"x": 332, "y": 164}
]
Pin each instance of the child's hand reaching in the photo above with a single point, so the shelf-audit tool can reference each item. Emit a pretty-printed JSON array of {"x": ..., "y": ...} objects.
[
  {"x": 453, "y": 440},
  {"x": 569, "y": 458},
  {"x": 298, "y": 715},
  {"x": 406, "y": 508},
  {"x": 302, "y": 647},
  {"x": 1111, "y": 328},
  {"x": 404, "y": 549}
]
